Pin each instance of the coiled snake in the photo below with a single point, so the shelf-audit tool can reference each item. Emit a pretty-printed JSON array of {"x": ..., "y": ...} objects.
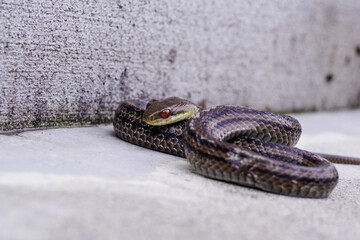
[{"x": 233, "y": 144}]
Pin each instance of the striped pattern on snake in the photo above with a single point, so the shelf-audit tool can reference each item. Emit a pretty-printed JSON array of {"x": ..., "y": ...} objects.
[{"x": 233, "y": 144}]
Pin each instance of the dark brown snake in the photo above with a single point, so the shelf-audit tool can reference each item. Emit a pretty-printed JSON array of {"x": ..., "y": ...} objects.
[{"x": 234, "y": 144}]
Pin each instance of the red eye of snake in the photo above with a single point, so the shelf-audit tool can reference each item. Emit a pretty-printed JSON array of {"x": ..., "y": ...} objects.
[{"x": 165, "y": 113}]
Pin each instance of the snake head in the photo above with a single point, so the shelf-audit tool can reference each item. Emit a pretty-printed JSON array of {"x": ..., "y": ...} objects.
[{"x": 169, "y": 110}]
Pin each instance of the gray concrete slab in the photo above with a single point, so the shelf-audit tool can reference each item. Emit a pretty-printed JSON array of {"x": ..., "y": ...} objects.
[{"x": 84, "y": 183}]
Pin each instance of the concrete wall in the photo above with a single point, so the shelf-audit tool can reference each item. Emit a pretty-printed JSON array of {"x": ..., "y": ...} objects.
[{"x": 72, "y": 62}]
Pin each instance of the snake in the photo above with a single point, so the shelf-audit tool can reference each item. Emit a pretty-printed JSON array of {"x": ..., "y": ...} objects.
[{"x": 235, "y": 144}]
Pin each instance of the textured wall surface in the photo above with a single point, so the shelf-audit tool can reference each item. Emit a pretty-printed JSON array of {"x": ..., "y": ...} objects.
[{"x": 71, "y": 62}]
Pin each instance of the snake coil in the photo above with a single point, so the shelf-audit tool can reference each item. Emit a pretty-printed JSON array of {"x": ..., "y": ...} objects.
[{"x": 238, "y": 145}]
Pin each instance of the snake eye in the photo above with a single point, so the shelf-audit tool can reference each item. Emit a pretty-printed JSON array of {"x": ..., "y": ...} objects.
[{"x": 165, "y": 113}]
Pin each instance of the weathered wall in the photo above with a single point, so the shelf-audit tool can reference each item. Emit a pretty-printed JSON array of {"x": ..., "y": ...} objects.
[{"x": 67, "y": 62}]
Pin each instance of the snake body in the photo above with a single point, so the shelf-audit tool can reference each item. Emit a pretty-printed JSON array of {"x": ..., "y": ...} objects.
[
  {"x": 129, "y": 126},
  {"x": 235, "y": 144}
]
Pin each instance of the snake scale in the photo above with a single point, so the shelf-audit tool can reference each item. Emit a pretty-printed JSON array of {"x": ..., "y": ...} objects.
[{"x": 231, "y": 143}]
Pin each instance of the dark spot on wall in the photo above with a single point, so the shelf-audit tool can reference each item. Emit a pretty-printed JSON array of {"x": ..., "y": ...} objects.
[
  {"x": 357, "y": 50},
  {"x": 202, "y": 104},
  {"x": 172, "y": 55},
  {"x": 123, "y": 82},
  {"x": 124, "y": 75},
  {"x": 347, "y": 60},
  {"x": 355, "y": 102},
  {"x": 293, "y": 42},
  {"x": 266, "y": 108},
  {"x": 133, "y": 24},
  {"x": 189, "y": 95},
  {"x": 274, "y": 42},
  {"x": 329, "y": 78}
]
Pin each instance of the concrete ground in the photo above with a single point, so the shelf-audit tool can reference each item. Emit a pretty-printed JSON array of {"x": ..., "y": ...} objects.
[{"x": 84, "y": 183}]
